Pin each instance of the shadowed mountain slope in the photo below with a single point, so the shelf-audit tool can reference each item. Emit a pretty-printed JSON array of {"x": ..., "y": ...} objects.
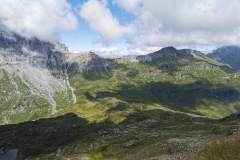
[
  {"x": 229, "y": 55},
  {"x": 143, "y": 135},
  {"x": 195, "y": 85}
]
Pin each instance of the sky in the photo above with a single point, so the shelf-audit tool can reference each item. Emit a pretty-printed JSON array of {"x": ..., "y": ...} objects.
[{"x": 125, "y": 26}]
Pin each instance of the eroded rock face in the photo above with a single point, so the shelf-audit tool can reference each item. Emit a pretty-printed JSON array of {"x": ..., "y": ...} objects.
[
  {"x": 31, "y": 68},
  {"x": 38, "y": 53},
  {"x": 87, "y": 62},
  {"x": 168, "y": 52}
]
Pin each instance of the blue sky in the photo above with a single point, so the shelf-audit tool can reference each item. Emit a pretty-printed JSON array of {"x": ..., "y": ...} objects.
[
  {"x": 83, "y": 38},
  {"x": 133, "y": 25},
  {"x": 151, "y": 23}
]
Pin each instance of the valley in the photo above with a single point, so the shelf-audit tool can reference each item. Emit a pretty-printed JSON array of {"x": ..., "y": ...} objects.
[{"x": 170, "y": 104}]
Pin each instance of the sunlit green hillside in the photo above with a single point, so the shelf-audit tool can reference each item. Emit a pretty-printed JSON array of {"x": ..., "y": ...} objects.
[{"x": 198, "y": 86}]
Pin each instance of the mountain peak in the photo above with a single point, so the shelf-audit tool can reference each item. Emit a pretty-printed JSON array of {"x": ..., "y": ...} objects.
[
  {"x": 83, "y": 57},
  {"x": 168, "y": 49},
  {"x": 227, "y": 54},
  {"x": 168, "y": 52},
  {"x": 87, "y": 62}
]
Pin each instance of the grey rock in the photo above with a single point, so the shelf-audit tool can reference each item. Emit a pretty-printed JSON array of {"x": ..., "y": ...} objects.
[{"x": 87, "y": 62}]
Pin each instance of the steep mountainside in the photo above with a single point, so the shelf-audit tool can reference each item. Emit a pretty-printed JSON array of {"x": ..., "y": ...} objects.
[
  {"x": 34, "y": 81},
  {"x": 229, "y": 55},
  {"x": 87, "y": 63}
]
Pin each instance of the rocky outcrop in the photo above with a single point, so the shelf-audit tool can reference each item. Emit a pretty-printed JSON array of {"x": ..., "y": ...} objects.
[
  {"x": 87, "y": 63},
  {"x": 38, "y": 53},
  {"x": 31, "y": 68},
  {"x": 128, "y": 58}
]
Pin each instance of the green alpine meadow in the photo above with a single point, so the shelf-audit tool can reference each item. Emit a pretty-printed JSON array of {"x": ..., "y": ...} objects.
[{"x": 119, "y": 80}]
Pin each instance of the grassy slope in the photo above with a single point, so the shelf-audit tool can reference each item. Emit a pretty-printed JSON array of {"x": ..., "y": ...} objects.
[
  {"x": 136, "y": 97},
  {"x": 18, "y": 104},
  {"x": 143, "y": 135},
  {"x": 196, "y": 86},
  {"x": 226, "y": 149}
]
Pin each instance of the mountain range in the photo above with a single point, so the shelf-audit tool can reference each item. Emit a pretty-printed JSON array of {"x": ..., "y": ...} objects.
[
  {"x": 228, "y": 54},
  {"x": 164, "y": 105}
]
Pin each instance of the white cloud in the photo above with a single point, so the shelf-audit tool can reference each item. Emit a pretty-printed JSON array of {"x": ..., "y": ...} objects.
[
  {"x": 100, "y": 19},
  {"x": 129, "y": 5},
  {"x": 44, "y": 19},
  {"x": 157, "y": 23},
  {"x": 117, "y": 52},
  {"x": 181, "y": 22}
]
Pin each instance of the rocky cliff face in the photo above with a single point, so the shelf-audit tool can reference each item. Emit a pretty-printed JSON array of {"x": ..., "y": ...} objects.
[
  {"x": 36, "y": 52},
  {"x": 33, "y": 74},
  {"x": 87, "y": 63}
]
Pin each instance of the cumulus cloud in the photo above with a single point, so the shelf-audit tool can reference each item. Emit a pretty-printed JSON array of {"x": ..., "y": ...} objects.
[
  {"x": 117, "y": 52},
  {"x": 130, "y": 6},
  {"x": 44, "y": 19},
  {"x": 175, "y": 22},
  {"x": 100, "y": 19}
]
